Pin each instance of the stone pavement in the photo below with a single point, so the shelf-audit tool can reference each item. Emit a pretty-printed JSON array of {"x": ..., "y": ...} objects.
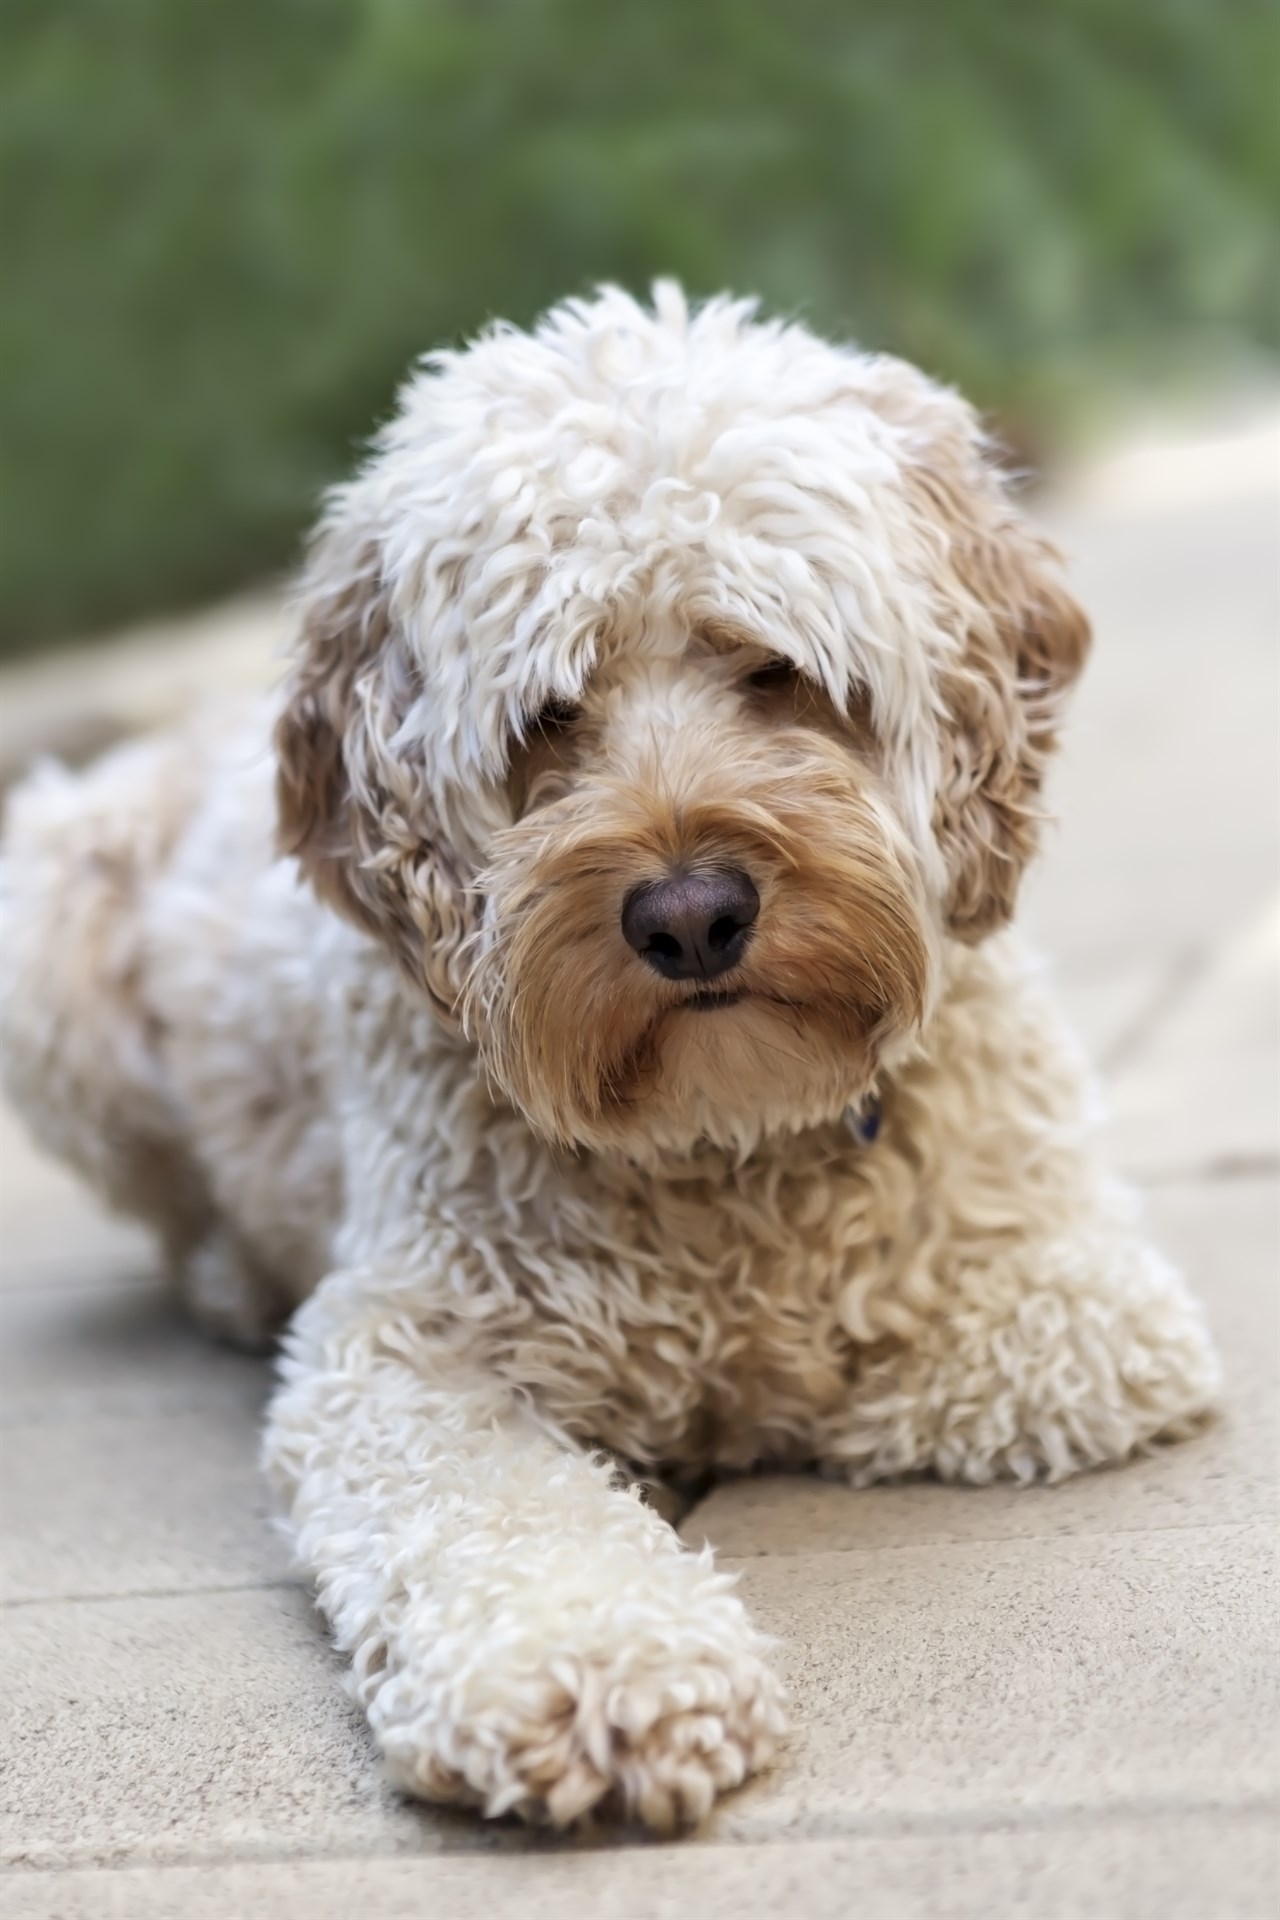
[{"x": 1052, "y": 1703}]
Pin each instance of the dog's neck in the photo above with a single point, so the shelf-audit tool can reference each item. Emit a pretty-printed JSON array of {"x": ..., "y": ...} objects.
[{"x": 855, "y": 1130}]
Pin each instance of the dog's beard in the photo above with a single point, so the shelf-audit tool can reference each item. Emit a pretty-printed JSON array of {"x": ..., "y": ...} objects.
[{"x": 600, "y": 1052}]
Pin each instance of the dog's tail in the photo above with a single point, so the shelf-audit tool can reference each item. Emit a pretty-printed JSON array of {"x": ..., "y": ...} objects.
[{"x": 79, "y": 1043}]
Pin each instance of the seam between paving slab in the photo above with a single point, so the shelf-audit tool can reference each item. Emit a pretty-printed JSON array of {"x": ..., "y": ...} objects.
[
  {"x": 295, "y": 1584},
  {"x": 738, "y": 1558},
  {"x": 1021, "y": 1540},
  {"x": 1228, "y": 1169},
  {"x": 1178, "y": 981},
  {"x": 65, "y": 1276},
  {"x": 532, "y": 1843},
  {"x": 64, "y": 1418}
]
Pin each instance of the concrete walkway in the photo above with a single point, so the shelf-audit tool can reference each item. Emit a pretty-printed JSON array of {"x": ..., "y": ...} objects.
[{"x": 1049, "y": 1703}]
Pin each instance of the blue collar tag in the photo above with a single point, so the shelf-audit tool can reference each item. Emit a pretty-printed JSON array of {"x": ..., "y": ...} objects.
[{"x": 864, "y": 1122}]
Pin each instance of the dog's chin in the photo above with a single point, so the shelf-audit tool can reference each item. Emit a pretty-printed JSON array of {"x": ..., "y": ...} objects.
[
  {"x": 732, "y": 1069},
  {"x": 727, "y": 1069}
]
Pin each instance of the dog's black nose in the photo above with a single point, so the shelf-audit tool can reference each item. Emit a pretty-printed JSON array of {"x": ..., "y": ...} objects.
[{"x": 692, "y": 926}]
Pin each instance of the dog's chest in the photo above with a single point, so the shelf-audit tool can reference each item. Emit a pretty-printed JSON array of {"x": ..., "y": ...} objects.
[{"x": 699, "y": 1319}]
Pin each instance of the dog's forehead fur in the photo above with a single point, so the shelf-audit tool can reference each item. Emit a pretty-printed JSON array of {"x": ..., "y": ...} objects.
[{"x": 620, "y": 478}]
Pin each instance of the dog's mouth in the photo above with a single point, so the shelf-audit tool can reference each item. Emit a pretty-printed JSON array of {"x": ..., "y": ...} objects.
[{"x": 708, "y": 999}]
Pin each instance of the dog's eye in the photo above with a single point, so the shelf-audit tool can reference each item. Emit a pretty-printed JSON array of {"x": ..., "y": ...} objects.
[
  {"x": 554, "y": 715},
  {"x": 774, "y": 673}
]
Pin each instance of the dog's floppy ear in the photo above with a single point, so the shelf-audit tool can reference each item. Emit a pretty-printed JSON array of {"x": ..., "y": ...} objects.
[
  {"x": 352, "y": 800},
  {"x": 1019, "y": 642}
]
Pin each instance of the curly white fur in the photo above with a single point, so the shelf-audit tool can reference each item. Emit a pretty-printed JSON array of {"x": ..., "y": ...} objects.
[{"x": 558, "y": 1223}]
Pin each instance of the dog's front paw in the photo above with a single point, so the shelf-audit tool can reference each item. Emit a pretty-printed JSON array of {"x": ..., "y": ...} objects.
[
  {"x": 1091, "y": 1351},
  {"x": 648, "y": 1732}
]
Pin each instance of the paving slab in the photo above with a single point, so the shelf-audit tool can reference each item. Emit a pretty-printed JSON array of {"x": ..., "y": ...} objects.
[
  {"x": 998, "y": 1678},
  {"x": 52, "y": 1230},
  {"x": 1168, "y": 787},
  {"x": 96, "y": 1507},
  {"x": 1159, "y": 1866},
  {"x": 73, "y": 703},
  {"x": 1111, "y": 1004},
  {"x": 83, "y": 1351},
  {"x": 981, "y": 1682},
  {"x": 193, "y": 1727},
  {"x": 1200, "y": 1095}
]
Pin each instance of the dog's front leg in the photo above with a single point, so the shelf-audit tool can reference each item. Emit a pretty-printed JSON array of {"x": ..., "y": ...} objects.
[
  {"x": 526, "y": 1635},
  {"x": 1024, "y": 1355}
]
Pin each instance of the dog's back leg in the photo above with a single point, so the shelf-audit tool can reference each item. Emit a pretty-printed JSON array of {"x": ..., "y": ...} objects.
[{"x": 81, "y": 1044}]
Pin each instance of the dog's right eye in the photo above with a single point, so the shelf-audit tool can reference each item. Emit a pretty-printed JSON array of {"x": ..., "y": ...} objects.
[
  {"x": 774, "y": 673},
  {"x": 554, "y": 716}
]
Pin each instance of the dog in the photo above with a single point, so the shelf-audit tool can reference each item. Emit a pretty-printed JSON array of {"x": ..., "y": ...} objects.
[{"x": 585, "y": 1005}]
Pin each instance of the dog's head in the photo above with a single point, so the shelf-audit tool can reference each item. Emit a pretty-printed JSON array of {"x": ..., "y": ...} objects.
[{"x": 671, "y": 687}]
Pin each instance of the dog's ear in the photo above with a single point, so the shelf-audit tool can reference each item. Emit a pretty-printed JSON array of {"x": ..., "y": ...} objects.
[
  {"x": 1019, "y": 642},
  {"x": 351, "y": 794}
]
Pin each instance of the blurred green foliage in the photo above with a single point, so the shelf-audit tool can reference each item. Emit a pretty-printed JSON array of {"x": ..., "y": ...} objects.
[{"x": 228, "y": 225}]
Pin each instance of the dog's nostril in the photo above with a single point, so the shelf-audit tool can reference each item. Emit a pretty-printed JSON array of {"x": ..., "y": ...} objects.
[
  {"x": 725, "y": 929},
  {"x": 665, "y": 945},
  {"x": 692, "y": 926}
]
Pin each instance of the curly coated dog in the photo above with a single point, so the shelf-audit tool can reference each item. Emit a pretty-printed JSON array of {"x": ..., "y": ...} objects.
[{"x": 596, "y": 1010}]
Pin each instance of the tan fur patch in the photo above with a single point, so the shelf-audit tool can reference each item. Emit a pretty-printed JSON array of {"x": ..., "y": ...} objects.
[
  {"x": 1021, "y": 641},
  {"x": 593, "y": 1045},
  {"x": 356, "y": 816}
]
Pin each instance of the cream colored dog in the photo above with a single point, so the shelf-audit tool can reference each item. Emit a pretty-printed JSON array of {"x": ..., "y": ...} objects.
[{"x": 607, "y": 1024}]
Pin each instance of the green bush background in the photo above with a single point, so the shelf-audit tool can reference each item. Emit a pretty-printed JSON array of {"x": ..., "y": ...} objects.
[{"x": 228, "y": 225}]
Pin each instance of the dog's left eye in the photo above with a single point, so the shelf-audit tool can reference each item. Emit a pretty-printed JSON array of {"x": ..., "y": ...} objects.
[
  {"x": 774, "y": 673},
  {"x": 554, "y": 715}
]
